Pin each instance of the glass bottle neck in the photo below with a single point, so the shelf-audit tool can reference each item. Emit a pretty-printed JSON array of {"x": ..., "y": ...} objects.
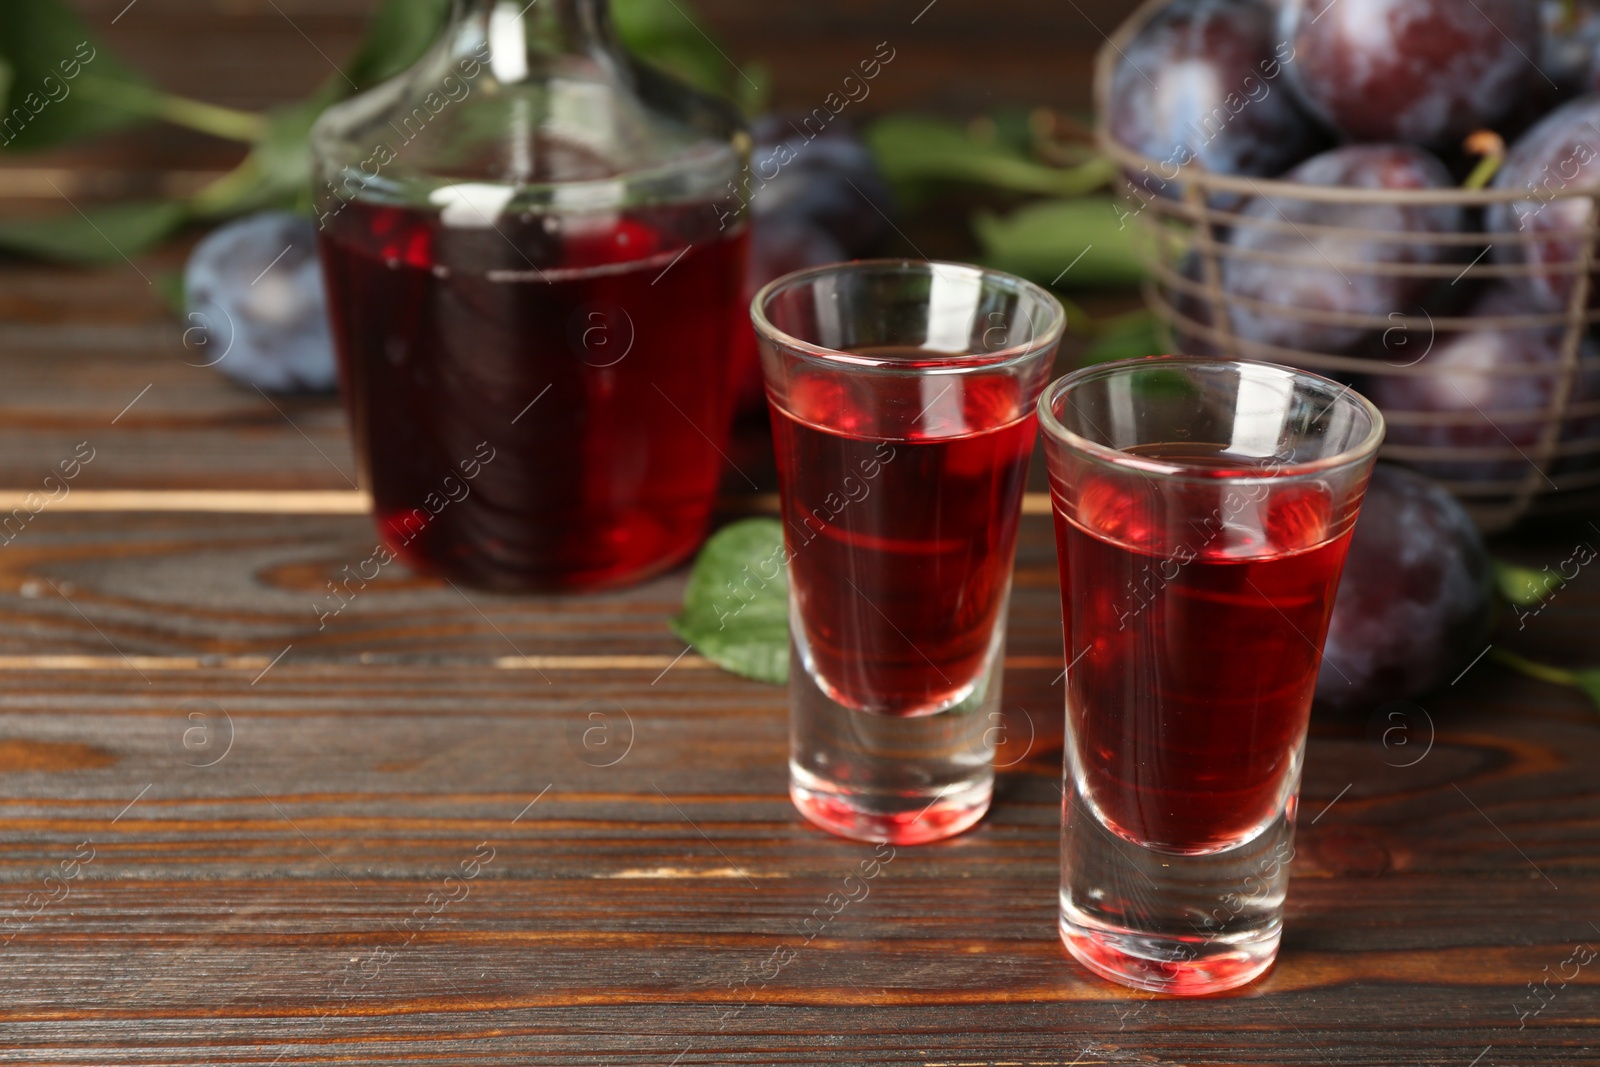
[{"x": 544, "y": 28}]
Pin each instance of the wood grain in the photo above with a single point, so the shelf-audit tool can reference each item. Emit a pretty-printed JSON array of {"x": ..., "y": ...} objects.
[
  {"x": 220, "y": 916},
  {"x": 260, "y": 808}
]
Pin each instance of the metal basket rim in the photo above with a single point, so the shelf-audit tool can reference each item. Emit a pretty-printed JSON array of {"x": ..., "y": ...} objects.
[
  {"x": 1210, "y": 181},
  {"x": 1496, "y": 506}
]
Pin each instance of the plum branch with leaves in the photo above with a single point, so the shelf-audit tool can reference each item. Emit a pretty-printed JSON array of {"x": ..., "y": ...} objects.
[{"x": 106, "y": 94}]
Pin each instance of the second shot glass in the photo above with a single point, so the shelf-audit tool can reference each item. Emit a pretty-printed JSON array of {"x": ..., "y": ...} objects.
[
  {"x": 1203, "y": 509},
  {"x": 902, "y": 398}
]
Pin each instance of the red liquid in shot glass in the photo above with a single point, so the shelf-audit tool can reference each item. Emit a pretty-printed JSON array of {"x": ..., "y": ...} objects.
[
  {"x": 538, "y": 404},
  {"x": 902, "y": 544},
  {"x": 1190, "y": 700}
]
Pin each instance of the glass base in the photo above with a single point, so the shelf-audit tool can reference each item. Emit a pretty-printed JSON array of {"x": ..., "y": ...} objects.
[
  {"x": 1170, "y": 923},
  {"x": 899, "y": 820},
  {"x": 1180, "y": 966},
  {"x": 904, "y": 780}
]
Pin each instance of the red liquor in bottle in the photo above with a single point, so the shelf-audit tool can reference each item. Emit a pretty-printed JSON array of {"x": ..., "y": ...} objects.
[{"x": 542, "y": 403}]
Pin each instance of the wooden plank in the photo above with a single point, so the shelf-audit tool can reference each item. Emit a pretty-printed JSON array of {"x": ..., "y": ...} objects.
[
  {"x": 233, "y": 907},
  {"x": 306, "y": 502},
  {"x": 225, "y": 501},
  {"x": 254, "y": 890}
]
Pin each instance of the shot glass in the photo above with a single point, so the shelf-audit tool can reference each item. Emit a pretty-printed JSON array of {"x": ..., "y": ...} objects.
[
  {"x": 1203, "y": 509},
  {"x": 902, "y": 398}
]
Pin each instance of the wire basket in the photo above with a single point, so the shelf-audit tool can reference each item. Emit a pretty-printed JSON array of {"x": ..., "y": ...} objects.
[{"x": 1502, "y": 463}]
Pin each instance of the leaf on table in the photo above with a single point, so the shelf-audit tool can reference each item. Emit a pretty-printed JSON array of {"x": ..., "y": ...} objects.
[
  {"x": 1524, "y": 586},
  {"x": 100, "y": 235},
  {"x": 1072, "y": 243},
  {"x": 913, "y": 150},
  {"x": 47, "y": 47},
  {"x": 1129, "y": 336},
  {"x": 397, "y": 35},
  {"x": 736, "y": 608}
]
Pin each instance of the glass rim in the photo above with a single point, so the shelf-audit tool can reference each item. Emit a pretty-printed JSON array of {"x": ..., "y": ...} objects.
[
  {"x": 1116, "y": 457},
  {"x": 937, "y": 362}
]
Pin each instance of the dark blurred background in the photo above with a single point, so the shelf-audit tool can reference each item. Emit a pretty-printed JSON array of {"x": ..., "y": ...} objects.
[{"x": 959, "y": 58}]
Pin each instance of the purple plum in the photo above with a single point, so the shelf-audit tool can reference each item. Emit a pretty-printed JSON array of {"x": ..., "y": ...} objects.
[{"x": 1417, "y": 598}]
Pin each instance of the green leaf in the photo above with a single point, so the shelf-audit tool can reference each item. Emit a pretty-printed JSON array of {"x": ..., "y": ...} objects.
[
  {"x": 736, "y": 609},
  {"x": 399, "y": 32},
  {"x": 47, "y": 47},
  {"x": 1544, "y": 672},
  {"x": 666, "y": 35},
  {"x": 276, "y": 173},
  {"x": 1127, "y": 337},
  {"x": 145, "y": 102},
  {"x": 1585, "y": 679},
  {"x": 1589, "y": 682},
  {"x": 98, "y": 236},
  {"x": 913, "y": 150},
  {"x": 1010, "y": 126},
  {"x": 1072, "y": 243},
  {"x": 1524, "y": 586},
  {"x": 169, "y": 284}
]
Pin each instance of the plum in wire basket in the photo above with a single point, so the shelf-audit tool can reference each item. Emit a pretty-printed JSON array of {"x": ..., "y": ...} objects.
[
  {"x": 1281, "y": 256},
  {"x": 1424, "y": 71},
  {"x": 1497, "y": 411},
  {"x": 1560, "y": 153},
  {"x": 1201, "y": 83}
]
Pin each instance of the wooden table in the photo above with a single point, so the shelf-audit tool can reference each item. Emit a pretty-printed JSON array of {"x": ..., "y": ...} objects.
[
  {"x": 386, "y": 841},
  {"x": 233, "y": 836}
]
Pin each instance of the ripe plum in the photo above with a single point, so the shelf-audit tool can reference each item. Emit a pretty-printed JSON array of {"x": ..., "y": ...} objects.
[
  {"x": 1200, "y": 83},
  {"x": 1289, "y": 262},
  {"x": 1502, "y": 411},
  {"x": 1424, "y": 71},
  {"x": 1416, "y": 600},
  {"x": 1560, "y": 152},
  {"x": 256, "y": 309}
]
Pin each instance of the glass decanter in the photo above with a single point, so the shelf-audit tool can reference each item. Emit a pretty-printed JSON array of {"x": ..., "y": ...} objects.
[{"x": 533, "y": 247}]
